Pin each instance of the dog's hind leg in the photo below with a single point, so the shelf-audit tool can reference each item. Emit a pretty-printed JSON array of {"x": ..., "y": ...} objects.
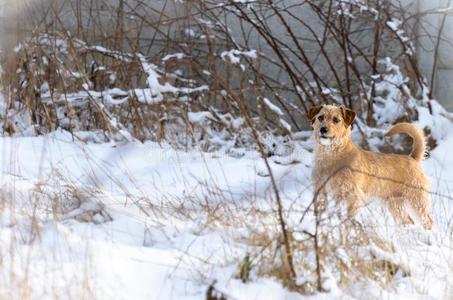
[
  {"x": 420, "y": 202},
  {"x": 399, "y": 212}
]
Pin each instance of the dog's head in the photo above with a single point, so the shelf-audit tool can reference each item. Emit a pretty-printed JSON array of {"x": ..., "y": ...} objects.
[{"x": 331, "y": 124}]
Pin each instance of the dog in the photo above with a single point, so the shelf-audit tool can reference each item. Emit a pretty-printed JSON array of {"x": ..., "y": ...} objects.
[{"x": 348, "y": 173}]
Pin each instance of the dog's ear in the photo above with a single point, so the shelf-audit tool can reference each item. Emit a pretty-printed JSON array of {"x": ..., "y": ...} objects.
[
  {"x": 312, "y": 112},
  {"x": 348, "y": 115}
]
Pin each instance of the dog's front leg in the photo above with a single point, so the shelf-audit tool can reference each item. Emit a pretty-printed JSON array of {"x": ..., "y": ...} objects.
[
  {"x": 352, "y": 196},
  {"x": 353, "y": 207},
  {"x": 320, "y": 199}
]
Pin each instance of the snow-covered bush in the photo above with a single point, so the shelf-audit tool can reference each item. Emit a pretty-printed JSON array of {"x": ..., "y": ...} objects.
[
  {"x": 195, "y": 88},
  {"x": 67, "y": 78}
]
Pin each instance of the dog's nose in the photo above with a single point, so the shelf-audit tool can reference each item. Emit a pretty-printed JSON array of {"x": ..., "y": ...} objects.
[{"x": 323, "y": 130}]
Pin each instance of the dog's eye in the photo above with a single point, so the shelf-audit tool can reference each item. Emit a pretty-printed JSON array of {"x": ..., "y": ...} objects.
[
  {"x": 336, "y": 120},
  {"x": 321, "y": 118}
]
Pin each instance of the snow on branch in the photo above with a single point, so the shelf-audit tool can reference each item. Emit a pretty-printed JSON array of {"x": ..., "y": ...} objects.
[{"x": 154, "y": 93}]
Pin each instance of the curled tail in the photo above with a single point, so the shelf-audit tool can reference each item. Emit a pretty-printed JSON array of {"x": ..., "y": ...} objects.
[{"x": 419, "y": 146}]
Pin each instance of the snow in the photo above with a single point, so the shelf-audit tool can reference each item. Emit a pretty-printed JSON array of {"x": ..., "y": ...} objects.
[
  {"x": 155, "y": 91},
  {"x": 285, "y": 125},
  {"x": 273, "y": 107},
  {"x": 395, "y": 26},
  {"x": 198, "y": 117},
  {"x": 152, "y": 95},
  {"x": 175, "y": 55},
  {"x": 388, "y": 107},
  {"x": 440, "y": 125},
  {"x": 190, "y": 32},
  {"x": 234, "y": 55},
  {"x": 121, "y": 242},
  {"x": 244, "y": 1}
]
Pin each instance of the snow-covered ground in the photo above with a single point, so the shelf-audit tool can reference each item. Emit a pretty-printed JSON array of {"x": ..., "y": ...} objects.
[{"x": 144, "y": 221}]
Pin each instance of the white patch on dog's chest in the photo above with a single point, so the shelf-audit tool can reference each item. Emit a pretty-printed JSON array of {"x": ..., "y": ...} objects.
[{"x": 325, "y": 142}]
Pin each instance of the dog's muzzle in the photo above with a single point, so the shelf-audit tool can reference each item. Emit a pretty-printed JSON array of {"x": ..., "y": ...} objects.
[{"x": 323, "y": 134}]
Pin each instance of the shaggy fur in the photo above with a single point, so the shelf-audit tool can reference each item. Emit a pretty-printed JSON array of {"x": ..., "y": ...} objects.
[{"x": 348, "y": 173}]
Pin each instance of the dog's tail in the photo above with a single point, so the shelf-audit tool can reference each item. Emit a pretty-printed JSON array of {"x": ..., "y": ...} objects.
[{"x": 419, "y": 148}]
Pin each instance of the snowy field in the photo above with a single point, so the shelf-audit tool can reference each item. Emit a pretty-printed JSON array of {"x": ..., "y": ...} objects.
[{"x": 141, "y": 221}]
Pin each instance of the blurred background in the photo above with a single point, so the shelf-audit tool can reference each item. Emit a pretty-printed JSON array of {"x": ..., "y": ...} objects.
[{"x": 275, "y": 57}]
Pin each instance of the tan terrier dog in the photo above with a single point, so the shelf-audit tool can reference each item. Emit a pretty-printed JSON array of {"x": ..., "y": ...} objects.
[{"x": 348, "y": 173}]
